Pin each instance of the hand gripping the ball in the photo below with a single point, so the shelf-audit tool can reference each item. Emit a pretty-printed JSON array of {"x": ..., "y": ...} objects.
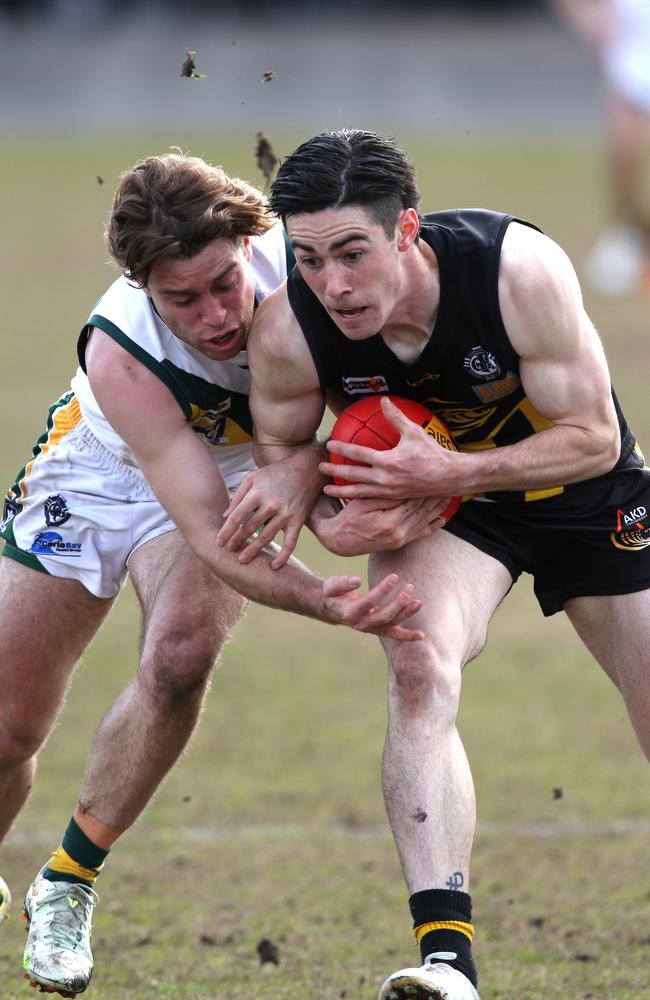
[{"x": 389, "y": 448}]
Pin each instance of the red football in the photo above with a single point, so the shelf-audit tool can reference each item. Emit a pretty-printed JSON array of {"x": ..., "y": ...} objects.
[{"x": 364, "y": 423}]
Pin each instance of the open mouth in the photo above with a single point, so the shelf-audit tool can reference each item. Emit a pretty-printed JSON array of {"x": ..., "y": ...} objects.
[
  {"x": 348, "y": 315},
  {"x": 224, "y": 339}
]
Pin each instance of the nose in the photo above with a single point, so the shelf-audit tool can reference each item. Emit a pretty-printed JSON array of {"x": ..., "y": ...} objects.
[
  {"x": 337, "y": 281},
  {"x": 213, "y": 313}
]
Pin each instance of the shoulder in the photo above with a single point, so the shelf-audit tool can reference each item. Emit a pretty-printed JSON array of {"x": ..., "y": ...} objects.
[
  {"x": 274, "y": 325},
  {"x": 277, "y": 349},
  {"x": 270, "y": 261},
  {"x": 539, "y": 292}
]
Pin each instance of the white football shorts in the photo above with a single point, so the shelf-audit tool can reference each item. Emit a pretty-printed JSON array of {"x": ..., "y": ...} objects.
[{"x": 77, "y": 511}]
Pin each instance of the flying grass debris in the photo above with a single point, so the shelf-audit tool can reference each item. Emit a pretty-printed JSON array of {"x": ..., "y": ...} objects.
[
  {"x": 265, "y": 157},
  {"x": 268, "y": 952},
  {"x": 188, "y": 68}
]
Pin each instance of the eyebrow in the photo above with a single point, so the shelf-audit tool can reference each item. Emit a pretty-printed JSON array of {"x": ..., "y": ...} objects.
[
  {"x": 337, "y": 245},
  {"x": 192, "y": 291}
]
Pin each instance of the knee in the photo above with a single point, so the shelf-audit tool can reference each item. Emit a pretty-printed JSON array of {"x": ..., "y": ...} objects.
[
  {"x": 20, "y": 740},
  {"x": 176, "y": 665},
  {"x": 425, "y": 681}
]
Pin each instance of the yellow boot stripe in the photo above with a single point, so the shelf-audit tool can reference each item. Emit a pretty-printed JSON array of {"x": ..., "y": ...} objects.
[
  {"x": 62, "y": 862},
  {"x": 444, "y": 925}
]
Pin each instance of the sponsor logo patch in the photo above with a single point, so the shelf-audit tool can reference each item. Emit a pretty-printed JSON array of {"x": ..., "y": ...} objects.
[
  {"x": 51, "y": 543},
  {"x": 8, "y": 514},
  {"x": 500, "y": 387},
  {"x": 365, "y": 385},
  {"x": 56, "y": 510},
  {"x": 632, "y": 529},
  {"x": 481, "y": 363}
]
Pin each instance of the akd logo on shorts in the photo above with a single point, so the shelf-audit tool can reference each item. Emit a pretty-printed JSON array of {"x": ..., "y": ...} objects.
[
  {"x": 632, "y": 529},
  {"x": 56, "y": 510}
]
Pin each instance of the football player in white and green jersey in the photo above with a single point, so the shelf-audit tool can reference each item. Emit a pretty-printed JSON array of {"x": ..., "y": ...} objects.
[{"x": 133, "y": 475}]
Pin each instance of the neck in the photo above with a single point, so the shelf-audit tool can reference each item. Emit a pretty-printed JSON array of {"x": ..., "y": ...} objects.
[{"x": 410, "y": 325}]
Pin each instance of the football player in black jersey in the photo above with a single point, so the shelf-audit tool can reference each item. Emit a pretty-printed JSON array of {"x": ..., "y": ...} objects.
[{"x": 480, "y": 316}]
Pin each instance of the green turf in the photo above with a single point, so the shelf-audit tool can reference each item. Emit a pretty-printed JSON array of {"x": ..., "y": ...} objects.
[{"x": 272, "y": 825}]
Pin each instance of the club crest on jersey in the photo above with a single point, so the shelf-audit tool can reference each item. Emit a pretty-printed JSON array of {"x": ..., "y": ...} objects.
[
  {"x": 481, "y": 363},
  {"x": 365, "y": 385},
  {"x": 56, "y": 511},
  {"x": 632, "y": 529},
  {"x": 211, "y": 424}
]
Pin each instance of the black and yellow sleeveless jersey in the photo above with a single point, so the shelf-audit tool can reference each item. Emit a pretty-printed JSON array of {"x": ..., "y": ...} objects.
[{"x": 468, "y": 373}]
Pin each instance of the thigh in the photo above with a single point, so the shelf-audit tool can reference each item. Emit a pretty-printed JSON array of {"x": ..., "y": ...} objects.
[
  {"x": 76, "y": 511},
  {"x": 460, "y": 585},
  {"x": 616, "y": 631},
  {"x": 46, "y": 624},
  {"x": 181, "y": 599}
]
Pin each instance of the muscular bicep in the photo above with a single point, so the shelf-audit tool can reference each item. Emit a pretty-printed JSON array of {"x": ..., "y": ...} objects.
[
  {"x": 287, "y": 402},
  {"x": 562, "y": 363},
  {"x": 175, "y": 462}
]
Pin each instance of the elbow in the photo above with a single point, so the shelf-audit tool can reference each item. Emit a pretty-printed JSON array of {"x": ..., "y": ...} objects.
[{"x": 608, "y": 450}]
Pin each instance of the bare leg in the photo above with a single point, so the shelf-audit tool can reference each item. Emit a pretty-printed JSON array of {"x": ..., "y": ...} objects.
[
  {"x": 188, "y": 615},
  {"x": 428, "y": 787},
  {"x": 626, "y": 134},
  {"x": 616, "y": 631},
  {"x": 46, "y": 624}
]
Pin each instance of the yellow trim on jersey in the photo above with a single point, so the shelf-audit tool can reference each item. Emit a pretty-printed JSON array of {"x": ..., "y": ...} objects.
[
  {"x": 444, "y": 925},
  {"x": 64, "y": 420},
  {"x": 553, "y": 491},
  {"x": 63, "y": 863},
  {"x": 534, "y": 418}
]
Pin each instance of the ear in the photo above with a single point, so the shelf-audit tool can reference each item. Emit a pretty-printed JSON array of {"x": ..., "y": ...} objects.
[
  {"x": 408, "y": 227},
  {"x": 248, "y": 247}
]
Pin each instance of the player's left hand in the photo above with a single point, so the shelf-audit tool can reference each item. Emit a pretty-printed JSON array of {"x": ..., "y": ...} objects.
[
  {"x": 277, "y": 497},
  {"x": 416, "y": 467},
  {"x": 364, "y": 526},
  {"x": 380, "y": 612}
]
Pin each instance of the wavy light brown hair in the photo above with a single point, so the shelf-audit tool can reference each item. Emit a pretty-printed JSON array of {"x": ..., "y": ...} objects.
[{"x": 173, "y": 205}]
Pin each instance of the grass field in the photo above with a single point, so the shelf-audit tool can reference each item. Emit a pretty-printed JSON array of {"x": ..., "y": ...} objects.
[{"x": 272, "y": 826}]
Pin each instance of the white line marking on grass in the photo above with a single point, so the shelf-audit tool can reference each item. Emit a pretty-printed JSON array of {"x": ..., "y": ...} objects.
[{"x": 486, "y": 830}]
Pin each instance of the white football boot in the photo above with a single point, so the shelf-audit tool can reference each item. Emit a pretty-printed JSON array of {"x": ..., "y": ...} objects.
[
  {"x": 57, "y": 956},
  {"x": 5, "y": 901},
  {"x": 616, "y": 265},
  {"x": 432, "y": 981}
]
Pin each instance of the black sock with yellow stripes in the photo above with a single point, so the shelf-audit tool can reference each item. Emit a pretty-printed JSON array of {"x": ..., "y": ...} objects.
[
  {"x": 76, "y": 859},
  {"x": 442, "y": 924}
]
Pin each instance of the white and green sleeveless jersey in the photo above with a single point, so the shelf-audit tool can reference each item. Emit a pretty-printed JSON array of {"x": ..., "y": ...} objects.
[{"x": 212, "y": 394}]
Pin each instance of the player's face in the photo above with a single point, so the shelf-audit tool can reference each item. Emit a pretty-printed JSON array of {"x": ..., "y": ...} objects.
[
  {"x": 207, "y": 300},
  {"x": 350, "y": 265}
]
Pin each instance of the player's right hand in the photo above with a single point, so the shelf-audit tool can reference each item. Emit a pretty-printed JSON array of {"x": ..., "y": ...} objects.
[
  {"x": 380, "y": 612},
  {"x": 364, "y": 526}
]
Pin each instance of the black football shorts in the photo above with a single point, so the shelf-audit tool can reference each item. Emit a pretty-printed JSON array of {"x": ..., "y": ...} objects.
[{"x": 592, "y": 539}]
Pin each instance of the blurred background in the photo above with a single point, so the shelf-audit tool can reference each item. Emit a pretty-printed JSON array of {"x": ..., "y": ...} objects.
[{"x": 500, "y": 105}]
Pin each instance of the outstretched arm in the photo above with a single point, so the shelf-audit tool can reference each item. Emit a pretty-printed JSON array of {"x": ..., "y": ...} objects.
[{"x": 144, "y": 413}]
